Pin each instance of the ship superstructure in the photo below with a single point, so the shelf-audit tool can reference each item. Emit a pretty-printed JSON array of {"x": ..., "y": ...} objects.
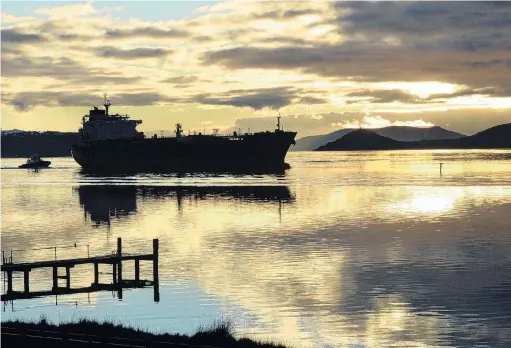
[
  {"x": 100, "y": 125},
  {"x": 112, "y": 142}
]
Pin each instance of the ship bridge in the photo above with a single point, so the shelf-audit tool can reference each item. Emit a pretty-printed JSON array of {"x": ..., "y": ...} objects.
[{"x": 99, "y": 125}]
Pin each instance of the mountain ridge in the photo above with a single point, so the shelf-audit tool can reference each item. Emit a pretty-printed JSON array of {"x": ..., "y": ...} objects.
[
  {"x": 58, "y": 144},
  {"x": 401, "y": 133},
  {"x": 363, "y": 139}
]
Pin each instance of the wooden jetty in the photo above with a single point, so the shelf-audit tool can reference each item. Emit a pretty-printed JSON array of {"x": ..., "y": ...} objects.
[{"x": 115, "y": 259}]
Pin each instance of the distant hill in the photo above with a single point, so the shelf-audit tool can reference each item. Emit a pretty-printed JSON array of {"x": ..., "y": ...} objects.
[
  {"x": 46, "y": 144},
  {"x": 363, "y": 139},
  {"x": 12, "y": 131},
  {"x": 494, "y": 137},
  {"x": 401, "y": 133},
  {"x": 19, "y": 143},
  {"x": 497, "y": 137},
  {"x": 57, "y": 144}
]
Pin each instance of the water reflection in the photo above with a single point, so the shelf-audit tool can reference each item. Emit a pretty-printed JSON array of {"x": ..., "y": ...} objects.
[
  {"x": 104, "y": 202},
  {"x": 377, "y": 286},
  {"x": 373, "y": 249}
]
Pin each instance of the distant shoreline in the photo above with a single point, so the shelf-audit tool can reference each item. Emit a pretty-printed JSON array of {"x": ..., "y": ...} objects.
[
  {"x": 336, "y": 150},
  {"x": 498, "y": 137},
  {"x": 411, "y": 149}
]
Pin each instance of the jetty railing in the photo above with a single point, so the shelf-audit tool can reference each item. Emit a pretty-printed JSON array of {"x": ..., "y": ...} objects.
[
  {"x": 115, "y": 259},
  {"x": 10, "y": 259}
]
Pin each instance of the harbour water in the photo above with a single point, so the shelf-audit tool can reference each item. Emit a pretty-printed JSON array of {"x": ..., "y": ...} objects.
[{"x": 365, "y": 249}]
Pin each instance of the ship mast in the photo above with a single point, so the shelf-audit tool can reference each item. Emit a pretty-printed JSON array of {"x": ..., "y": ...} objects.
[
  {"x": 106, "y": 104},
  {"x": 179, "y": 130},
  {"x": 278, "y": 122}
]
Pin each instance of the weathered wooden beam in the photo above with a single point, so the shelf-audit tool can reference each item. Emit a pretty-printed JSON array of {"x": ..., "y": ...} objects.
[
  {"x": 114, "y": 273},
  {"x": 9, "y": 281},
  {"x": 137, "y": 270},
  {"x": 96, "y": 273},
  {"x": 156, "y": 278},
  {"x": 107, "y": 259},
  {"x": 55, "y": 277},
  {"x": 119, "y": 254},
  {"x": 155, "y": 260},
  {"x": 26, "y": 281},
  {"x": 128, "y": 284},
  {"x": 68, "y": 277}
]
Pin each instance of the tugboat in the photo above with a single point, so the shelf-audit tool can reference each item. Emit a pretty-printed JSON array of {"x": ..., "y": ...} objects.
[{"x": 35, "y": 161}]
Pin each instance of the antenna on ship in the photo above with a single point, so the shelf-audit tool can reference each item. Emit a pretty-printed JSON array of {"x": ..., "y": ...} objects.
[
  {"x": 179, "y": 130},
  {"x": 278, "y": 121},
  {"x": 106, "y": 104}
]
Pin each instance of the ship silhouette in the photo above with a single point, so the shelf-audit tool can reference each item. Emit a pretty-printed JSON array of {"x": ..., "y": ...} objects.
[{"x": 112, "y": 143}]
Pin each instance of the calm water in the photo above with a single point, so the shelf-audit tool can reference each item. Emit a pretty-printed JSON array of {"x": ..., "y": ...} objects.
[{"x": 372, "y": 249}]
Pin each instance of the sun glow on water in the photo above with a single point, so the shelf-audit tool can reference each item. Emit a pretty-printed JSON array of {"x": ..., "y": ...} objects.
[{"x": 431, "y": 204}]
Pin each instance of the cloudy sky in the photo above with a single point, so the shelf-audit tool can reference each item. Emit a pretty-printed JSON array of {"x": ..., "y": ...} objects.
[{"x": 323, "y": 65}]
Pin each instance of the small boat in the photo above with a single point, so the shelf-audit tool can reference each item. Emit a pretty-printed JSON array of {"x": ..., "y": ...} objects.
[{"x": 35, "y": 161}]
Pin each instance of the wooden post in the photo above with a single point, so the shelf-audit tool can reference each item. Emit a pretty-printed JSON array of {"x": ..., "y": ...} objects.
[
  {"x": 155, "y": 260},
  {"x": 55, "y": 279},
  {"x": 156, "y": 282},
  {"x": 137, "y": 270},
  {"x": 114, "y": 272},
  {"x": 96, "y": 273},
  {"x": 26, "y": 280},
  {"x": 119, "y": 246},
  {"x": 119, "y": 254},
  {"x": 156, "y": 292},
  {"x": 68, "y": 277},
  {"x": 9, "y": 281}
]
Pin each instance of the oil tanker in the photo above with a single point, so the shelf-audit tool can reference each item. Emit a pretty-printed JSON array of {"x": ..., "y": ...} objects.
[{"x": 112, "y": 143}]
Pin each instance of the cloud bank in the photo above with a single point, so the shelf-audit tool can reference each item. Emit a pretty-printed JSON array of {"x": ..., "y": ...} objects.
[{"x": 299, "y": 58}]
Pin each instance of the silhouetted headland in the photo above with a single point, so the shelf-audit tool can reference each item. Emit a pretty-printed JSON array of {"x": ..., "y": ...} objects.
[
  {"x": 47, "y": 144},
  {"x": 363, "y": 139},
  {"x": 498, "y": 137},
  {"x": 400, "y": 133},
  {"x": 87, "y": 333}
]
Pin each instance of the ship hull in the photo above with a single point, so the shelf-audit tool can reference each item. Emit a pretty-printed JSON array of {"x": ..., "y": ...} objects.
[{"x": 260, "y": 152}]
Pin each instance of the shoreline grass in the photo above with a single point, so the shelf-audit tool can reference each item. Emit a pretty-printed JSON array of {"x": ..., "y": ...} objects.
[{"x": 106, "y": 334}]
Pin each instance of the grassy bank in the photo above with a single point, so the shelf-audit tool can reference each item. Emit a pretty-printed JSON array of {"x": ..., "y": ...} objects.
[{"x": 86, "y": 333}]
